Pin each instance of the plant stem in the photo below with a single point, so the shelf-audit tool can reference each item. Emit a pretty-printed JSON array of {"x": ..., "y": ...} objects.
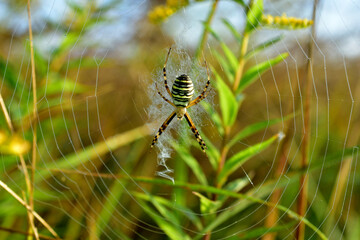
[
  {"x": 224, "y": 151},
  {"x": 22, "y": 160},
  {"x": 34, "y": 127},
  {"x": 206, "y": 32},
  {"x": 239, "y": 73},
  {"x": 35, "y": 214},
  {"x": 303, "y": 186},
  {"x": 273, "y": 213},
  {"x": 240, "y": 68}
]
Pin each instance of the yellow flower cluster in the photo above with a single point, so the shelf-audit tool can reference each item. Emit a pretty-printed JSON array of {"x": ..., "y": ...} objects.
[
  {"x": 285, "y": 22},
  {"x": 13, "y": 144},
  {"x": 162, "y": 12}
]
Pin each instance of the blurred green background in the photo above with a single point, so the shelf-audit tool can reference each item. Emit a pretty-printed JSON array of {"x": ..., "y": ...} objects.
[{"x": 97, "y": 111}]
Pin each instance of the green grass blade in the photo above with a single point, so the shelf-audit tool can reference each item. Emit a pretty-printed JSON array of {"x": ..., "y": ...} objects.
[
  {"x": 93, "y": 151},
  {"x": 241, "y": 157},
  {"x": 254, "y": 72}
]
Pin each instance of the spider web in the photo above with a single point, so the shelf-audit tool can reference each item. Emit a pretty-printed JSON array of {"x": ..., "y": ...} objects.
[{"x": 91, "y": 191}]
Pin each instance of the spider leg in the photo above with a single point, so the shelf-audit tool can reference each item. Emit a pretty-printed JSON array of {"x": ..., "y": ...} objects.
[
  {"x": 204, "y": 92},
  {"x": 165, "y": 99},
  {"x": 163, "y": 127},
  {"x": 196, "y": 132},
  {"x": 164, "y": 71}
]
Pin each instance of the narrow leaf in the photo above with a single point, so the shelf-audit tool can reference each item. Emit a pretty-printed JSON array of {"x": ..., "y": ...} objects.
[
  {"x": 208, "y": 207},
  {"x": 234, "y": 186},
  {"x": 261, "y": 231},
  {"x": 228, "y": 53},
  {"x": 254, "y": 72},
  {"x": 254, "y": 15},
  {"x": 172, "y": 231},
  {"x": 241, "y": 157},
  {"x": 254, "y": 128},
  {"x": 263, "y": 46},
  {"x": 173, "y": 206},
  {"x": 212, "y": 152},
  {"x": 215, "y": 117},
  {"x": 228, "y": 70},
  {"x": 228, "y": 103},
  {"x": 191, "y": 162},
  {"x": 232, "y": 29}
]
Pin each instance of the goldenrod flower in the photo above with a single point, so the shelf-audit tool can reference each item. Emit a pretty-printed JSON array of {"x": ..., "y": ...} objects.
[
  {"x": 160, "y": 13},
  {"x": 163, "y": 12},
  {"x": 13, "y": 144},
  {"x": 18, "y": 145},
  {"x": 285, "y": 22}
]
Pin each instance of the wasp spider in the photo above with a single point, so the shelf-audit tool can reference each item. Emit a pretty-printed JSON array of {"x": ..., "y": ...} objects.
[{"x": 181, "y": 94}]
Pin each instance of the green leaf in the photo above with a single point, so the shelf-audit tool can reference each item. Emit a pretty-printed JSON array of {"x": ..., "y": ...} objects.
[
  {"x": 254, "y": 72},
  {"x": 228, "y": 70},
  {"x": 254, "y": 128},
  {"x": 241, "y": 2},
  {"x": 59, "y": 86},
  {"x": 215, "y": 117},
  {"x": 263, "y": 46},
  {"x": 234, "y": 186},
  {"x": 254, "y": 15},
  {"x": 252, "y": 196},
  {"x": 255, "y": 195},
  {"x": 212, "y": 152},
  {"x": 228, "y": 53},
  {"x": 208, "y": 207},
  {"x": 191, "y": 162},
  {"x": 241, "y": 157},
  {"x": 228, "y": 104},
  {"x": 68, "y": 42},
  {"x": 92, "y": 151},
  {"x": 171, "y": 230},
  {"x": 232, "y": 29},
  {"x": 261, "y": 231},
  {"x": 193, "y": 217},
  {"x": 115, "y": 193}
]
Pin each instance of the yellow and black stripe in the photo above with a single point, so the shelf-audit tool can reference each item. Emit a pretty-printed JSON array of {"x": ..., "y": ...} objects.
[
  {"x": 182, "y": 91},
  {"x": 164, "y": 72},
  {"x": 163, "y": 127},
  {"x": 196, "y": 132}
]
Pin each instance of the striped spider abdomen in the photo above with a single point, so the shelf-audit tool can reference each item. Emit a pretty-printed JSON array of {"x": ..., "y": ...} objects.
[{"x": 182, "y": 91}]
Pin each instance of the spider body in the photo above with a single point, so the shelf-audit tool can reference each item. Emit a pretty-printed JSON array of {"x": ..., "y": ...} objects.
[{"x": 181, "y": 93}]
